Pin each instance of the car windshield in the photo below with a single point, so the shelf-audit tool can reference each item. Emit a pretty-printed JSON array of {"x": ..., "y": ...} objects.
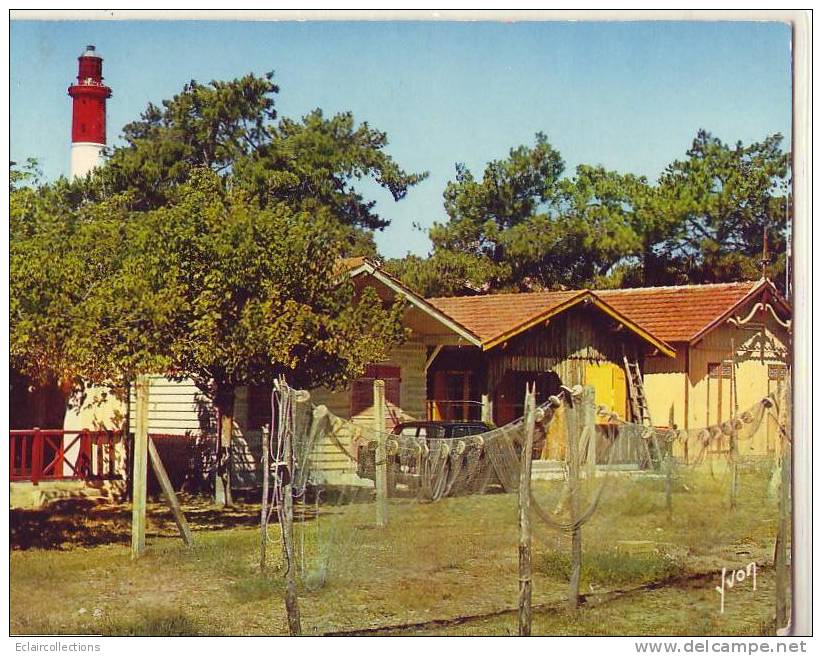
[{"x": 462, "y": 431}]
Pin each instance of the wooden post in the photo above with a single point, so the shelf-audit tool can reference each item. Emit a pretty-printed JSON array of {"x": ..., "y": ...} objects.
[
  {"x": 266, "y": 469},
  {"x": 782, "y": 571},
  {"x": 669, "y": 468},
  {"x": 733, "y": 450},
  {"x": 487, "y": 411},
  {"x": 36, "y": 456},
  {"x": 128, "y": 447},
  {"x": 524, "y": 504},
  {"x": 138, "y": 497},
  {"x": 587, "y": 409},
  {"x": 168, "y": 492},
  {"x": 380, "y": 457},
  {"x": 291, "y": 605},
  {"x": 572, "y": 418}
]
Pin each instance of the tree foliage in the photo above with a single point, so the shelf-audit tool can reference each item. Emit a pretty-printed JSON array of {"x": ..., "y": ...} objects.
[
  {"x": 206, "y": 247},
  {"x": 58, "y": 254},
  {"x": 524, "y": 226},
  {"x": 220, "y": 290},
  {"x": 313, "y": 164},
  {"x": 721, "y": 200}
]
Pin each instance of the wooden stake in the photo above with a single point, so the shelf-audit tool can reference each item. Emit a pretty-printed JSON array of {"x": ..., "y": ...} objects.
[
  {"x": 669, "y": 501},
  {"x": 733, "y": 453},
  {"x": 266, "y": 469},
  {"x": 782, "y": 571},
  {"x": 168, "y": 492},
  {"x": 138, "y": 497},
  {"x": 587, "y": 410},
  {"x": 487, "y": 409},
  {"x": 667, "y": 465},
  {"x": 291, "y": 605},
  {"x": 524, "y": 499},
  {"x": 380, "y": 456},
  {"x": 573, "y": 420}
]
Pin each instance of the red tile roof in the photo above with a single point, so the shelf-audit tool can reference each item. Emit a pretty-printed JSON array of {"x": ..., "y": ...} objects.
[
  {"x": 677, "y": 314},
  {"x": 492, "y": 315},
  {"x": 669, "y": 314}
]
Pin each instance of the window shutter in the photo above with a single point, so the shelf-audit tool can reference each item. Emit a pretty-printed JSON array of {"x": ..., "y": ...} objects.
[
  {"x": 777, "y": 372},
  {"x": 362, "y": 389},
  {"x": 362, "y": 395},
  {"x": 715, "y": 370}
]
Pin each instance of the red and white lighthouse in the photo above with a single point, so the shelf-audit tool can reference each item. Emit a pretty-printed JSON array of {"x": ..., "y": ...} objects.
[{"x": 88, "y": 120}]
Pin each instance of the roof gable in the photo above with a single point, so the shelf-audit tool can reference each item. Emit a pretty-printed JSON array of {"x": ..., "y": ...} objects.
[
  {"x": 686, "y": 313},
  {"x": 358, "y": 267},
  {"x": 491, "y": 316},
  {"x": 498, "y": 317}
]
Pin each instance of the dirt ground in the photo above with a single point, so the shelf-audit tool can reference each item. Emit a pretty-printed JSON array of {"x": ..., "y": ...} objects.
[{"x": 430, "y": 571}]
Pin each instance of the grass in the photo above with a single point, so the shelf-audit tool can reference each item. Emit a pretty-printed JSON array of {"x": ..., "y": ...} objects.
[
  {"x": 677, "y": 611},
  {"x": 611, "y": 567},
  {"x": 450, "y": 559}
]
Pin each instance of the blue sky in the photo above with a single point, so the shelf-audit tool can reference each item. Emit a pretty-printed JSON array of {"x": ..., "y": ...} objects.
[{"x": 629, "y": 96}]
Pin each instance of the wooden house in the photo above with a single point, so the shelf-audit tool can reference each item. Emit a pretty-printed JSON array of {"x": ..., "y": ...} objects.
[
  {"x": 178, "y": 408},
  {"x": 732, "y": 344},
  {"x": 551, "y": 338},
  {"x": 470, "y": 357}
]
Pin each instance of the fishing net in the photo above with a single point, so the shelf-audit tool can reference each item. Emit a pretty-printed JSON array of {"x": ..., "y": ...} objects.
[{"x": 439, "y": 542}]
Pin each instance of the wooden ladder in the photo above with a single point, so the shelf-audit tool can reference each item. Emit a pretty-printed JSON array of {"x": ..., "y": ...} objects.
[{"x": 636, "y": 392}]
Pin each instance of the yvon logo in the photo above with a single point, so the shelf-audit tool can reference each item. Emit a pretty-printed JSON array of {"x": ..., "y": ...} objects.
[{"x": 728, "y": 580}]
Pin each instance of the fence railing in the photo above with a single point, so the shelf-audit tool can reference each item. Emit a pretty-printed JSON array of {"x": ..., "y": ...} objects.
[{"x": 42, "y": 454}]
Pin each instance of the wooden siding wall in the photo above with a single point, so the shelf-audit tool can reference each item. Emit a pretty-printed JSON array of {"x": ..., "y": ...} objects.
[
  {"x": 174, "y": 408},
  {"x": 337, "y": 468},
  {"x": 179, "y": 408},
  {"x": 580, "y": 335},
  {"x": 666, "y": 380}
]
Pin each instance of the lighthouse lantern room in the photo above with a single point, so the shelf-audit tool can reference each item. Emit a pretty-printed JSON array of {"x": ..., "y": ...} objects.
[{"x": 88, "y": 122}]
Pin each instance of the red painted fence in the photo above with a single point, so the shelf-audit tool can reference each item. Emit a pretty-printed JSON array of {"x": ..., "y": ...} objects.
[{"x": 46, "y": 454}]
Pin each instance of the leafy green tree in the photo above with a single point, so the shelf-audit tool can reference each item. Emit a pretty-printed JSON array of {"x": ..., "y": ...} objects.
[
  {"x": 523, "y": 226},
  {"x": 217, "y": 289},
  {"x": 314, "y": 164},
  {"x": 722, "y": 200},
  {"x": 58, "y": 254},
  {"x": 444, "y": 273}
]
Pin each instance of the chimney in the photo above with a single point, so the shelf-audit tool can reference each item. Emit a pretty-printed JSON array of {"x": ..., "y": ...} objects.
[{"x": 88, "y": 119}]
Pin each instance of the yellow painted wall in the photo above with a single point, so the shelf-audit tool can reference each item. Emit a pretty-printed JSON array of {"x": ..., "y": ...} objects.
[
  {"x": 664, "y": 380},
  {"x": 610, "y": 386},
  {"x": 711, "y": 400}
]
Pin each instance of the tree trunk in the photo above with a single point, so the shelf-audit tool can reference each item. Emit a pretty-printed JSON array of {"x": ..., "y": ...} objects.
[
  {"x": 224, "y": 400},
  {"x": 48, "y": 404}
]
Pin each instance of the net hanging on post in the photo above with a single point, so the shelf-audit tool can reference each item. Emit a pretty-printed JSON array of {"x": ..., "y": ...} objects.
[{"x": 650, "y": 503}]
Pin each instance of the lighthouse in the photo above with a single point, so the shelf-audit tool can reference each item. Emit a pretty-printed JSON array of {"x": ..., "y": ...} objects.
[{"x": 88, "y": 119}]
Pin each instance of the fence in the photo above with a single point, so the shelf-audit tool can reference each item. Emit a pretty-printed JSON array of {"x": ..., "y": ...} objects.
[
  {"x": 44, "y": 454},
  {"x": 437, "y": 531}
]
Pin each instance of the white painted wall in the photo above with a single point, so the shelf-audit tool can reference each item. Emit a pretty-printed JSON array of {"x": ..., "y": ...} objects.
[{"x": 85, "y": 157}]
